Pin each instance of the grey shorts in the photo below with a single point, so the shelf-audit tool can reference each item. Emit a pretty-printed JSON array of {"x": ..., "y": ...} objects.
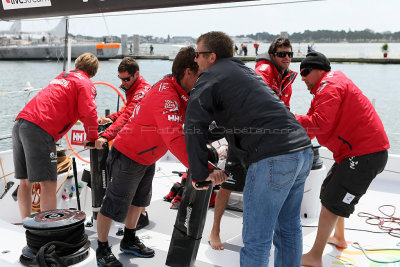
[
  {"x": 34, "y": 152},
  {"x": 237, "y": 174},
  {"x": 130, "y": 183}
]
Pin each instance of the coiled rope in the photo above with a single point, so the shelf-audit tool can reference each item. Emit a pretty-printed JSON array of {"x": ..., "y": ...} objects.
[
  {"x": 388, "y": 222},
  {"x": 50, "y": 248}
]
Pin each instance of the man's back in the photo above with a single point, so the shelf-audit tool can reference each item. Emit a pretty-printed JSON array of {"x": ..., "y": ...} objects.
[{"x": 257, "y": 123}]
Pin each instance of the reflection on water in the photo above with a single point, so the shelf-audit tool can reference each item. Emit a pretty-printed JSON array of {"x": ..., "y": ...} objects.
[{"x": 376, "y": 81}]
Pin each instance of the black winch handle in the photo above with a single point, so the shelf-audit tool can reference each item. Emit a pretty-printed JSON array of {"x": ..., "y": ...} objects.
[
  {"x": 207, "y": 183},
  {"x": 179, "y": 173},
  {"x": 92, "y": 144},
  {"x": 76, "y": 182},
  {"x": 203, "y": 184}
]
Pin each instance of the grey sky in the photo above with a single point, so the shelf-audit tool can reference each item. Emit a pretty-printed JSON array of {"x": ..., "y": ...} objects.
[{"x": 378, "y": 15}]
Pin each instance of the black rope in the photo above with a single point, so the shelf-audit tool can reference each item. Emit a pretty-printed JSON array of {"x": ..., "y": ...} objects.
[{"x": 50, "y": 248}]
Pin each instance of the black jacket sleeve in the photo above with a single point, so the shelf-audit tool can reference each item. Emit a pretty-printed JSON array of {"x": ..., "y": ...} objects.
[{"x": 199, "y": 115}]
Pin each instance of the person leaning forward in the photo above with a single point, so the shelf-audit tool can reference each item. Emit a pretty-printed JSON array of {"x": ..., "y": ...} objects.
[
  {"x": 342, "y": 119},
  {"x": 135, "y": 88},
  {"x": 265, "y": 136},
  {"x": 43, "y": 121},
  {"x": 154, "y": 128}
]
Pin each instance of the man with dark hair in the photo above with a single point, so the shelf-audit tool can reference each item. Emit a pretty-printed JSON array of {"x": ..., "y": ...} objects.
[
  {"x": 273, "y": 67},
  {"x": 135, "y": 88},
  {"x": 342, "y": 119},
  {"x": 154, "y": 128},
  {"x": 265, "y": 136},
  {"x": 43, "y": 121}
]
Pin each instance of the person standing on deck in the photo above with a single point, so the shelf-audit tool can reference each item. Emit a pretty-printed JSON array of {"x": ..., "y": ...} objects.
[
  {"x": 135, "y": 88},
  {"x": 273, "y": 67},
  {"x": 265, "y": 136},
  {"x": 43, "y": 121},
  {"x": 342, "y": 119},
  {"x": 156, "y": 126}
]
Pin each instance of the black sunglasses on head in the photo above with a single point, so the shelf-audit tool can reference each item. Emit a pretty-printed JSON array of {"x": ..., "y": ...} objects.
[
  {"x": 283, "y": 54},
  {"x": 127, "y": 79},
  {"x": 197, "y": 54},
  {"x": 305, "y": 72}
]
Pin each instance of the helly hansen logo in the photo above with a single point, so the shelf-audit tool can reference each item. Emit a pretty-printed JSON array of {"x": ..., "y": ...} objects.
[
  {"x": 353, "y": 164},
  {"x": 77, "y": 137},
  {"x": 175, "y": 118},
  {"x": 53, "y": 157}
]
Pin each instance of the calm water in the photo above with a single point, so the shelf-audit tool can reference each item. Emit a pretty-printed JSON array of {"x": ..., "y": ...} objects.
[{"x": 378, "y": 82}]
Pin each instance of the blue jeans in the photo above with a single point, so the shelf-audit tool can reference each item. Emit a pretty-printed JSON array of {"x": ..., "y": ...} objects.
[{"x": 271, "y": 210}]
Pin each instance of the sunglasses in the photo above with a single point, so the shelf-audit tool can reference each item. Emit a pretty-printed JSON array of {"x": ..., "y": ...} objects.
[
  {"x": 127, "y": 79},
  {"x": 305, "y": 72},
  {"x": 283, "y": 54},
  {"x": 197, "y": 54}
]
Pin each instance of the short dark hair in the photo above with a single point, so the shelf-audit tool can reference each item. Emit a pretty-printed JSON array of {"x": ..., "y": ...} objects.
[
  {"x": 128, "y": 64},
  {"x": 279, "y": 42},
  {"x": 217, "y": 42},
  {"x": 183, "y": 60},
  {"x": 87, "y": 62}
]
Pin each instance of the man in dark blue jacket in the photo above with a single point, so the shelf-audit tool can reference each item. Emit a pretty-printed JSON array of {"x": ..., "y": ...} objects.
[{"x": 265, "y": 136}]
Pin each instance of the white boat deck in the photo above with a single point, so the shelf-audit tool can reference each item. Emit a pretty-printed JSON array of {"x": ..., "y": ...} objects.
[{"x": 385, "y": 190}]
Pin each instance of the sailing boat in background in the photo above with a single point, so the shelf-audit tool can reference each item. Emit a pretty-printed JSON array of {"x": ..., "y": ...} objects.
[{"x": 16, "y": 44}]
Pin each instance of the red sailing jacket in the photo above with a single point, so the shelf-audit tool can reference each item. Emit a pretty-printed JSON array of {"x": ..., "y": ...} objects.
[
  {"x": 119, "y": 118},
  {"x": 343, "y": 119},
  {"x": 156, "y": 125},
  {"x": 271, "y": 76},
  {"x": 68, "y": 98}
]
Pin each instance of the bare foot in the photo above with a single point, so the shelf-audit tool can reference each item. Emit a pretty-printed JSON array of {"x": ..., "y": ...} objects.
[
  {"x": 340, "y": 243},
  {"x": 215, "y": 242},
  {"x": 309, "y": 260}
]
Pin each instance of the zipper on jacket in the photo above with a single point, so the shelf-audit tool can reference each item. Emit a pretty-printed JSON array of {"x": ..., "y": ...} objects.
[
  {"x": 147, "y": 150},
  {"x": 64, "y": 129},
  {"x": 345, "y": 142}
]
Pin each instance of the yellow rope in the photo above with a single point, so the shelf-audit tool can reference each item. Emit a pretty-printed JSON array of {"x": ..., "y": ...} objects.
[
  {"x": 2, "y": 169},
  {"x": 36, "y": 197}
]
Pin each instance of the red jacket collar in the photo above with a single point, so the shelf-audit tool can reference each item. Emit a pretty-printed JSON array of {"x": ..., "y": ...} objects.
[
  {"x": 134, "y": 87},
  {"x": 314, "y": 90},
  {"x": 179, "y": 89}
]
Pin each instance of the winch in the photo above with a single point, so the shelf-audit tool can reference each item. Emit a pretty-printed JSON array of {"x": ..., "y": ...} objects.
[{"x": 55, "y": 237}]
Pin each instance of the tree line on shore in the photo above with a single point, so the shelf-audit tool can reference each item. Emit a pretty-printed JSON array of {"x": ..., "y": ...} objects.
[{"x": 328, "y": 36}]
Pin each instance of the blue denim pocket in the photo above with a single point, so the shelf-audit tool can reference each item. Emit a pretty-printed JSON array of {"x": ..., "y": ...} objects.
[{"x": 282, "y": 170}]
